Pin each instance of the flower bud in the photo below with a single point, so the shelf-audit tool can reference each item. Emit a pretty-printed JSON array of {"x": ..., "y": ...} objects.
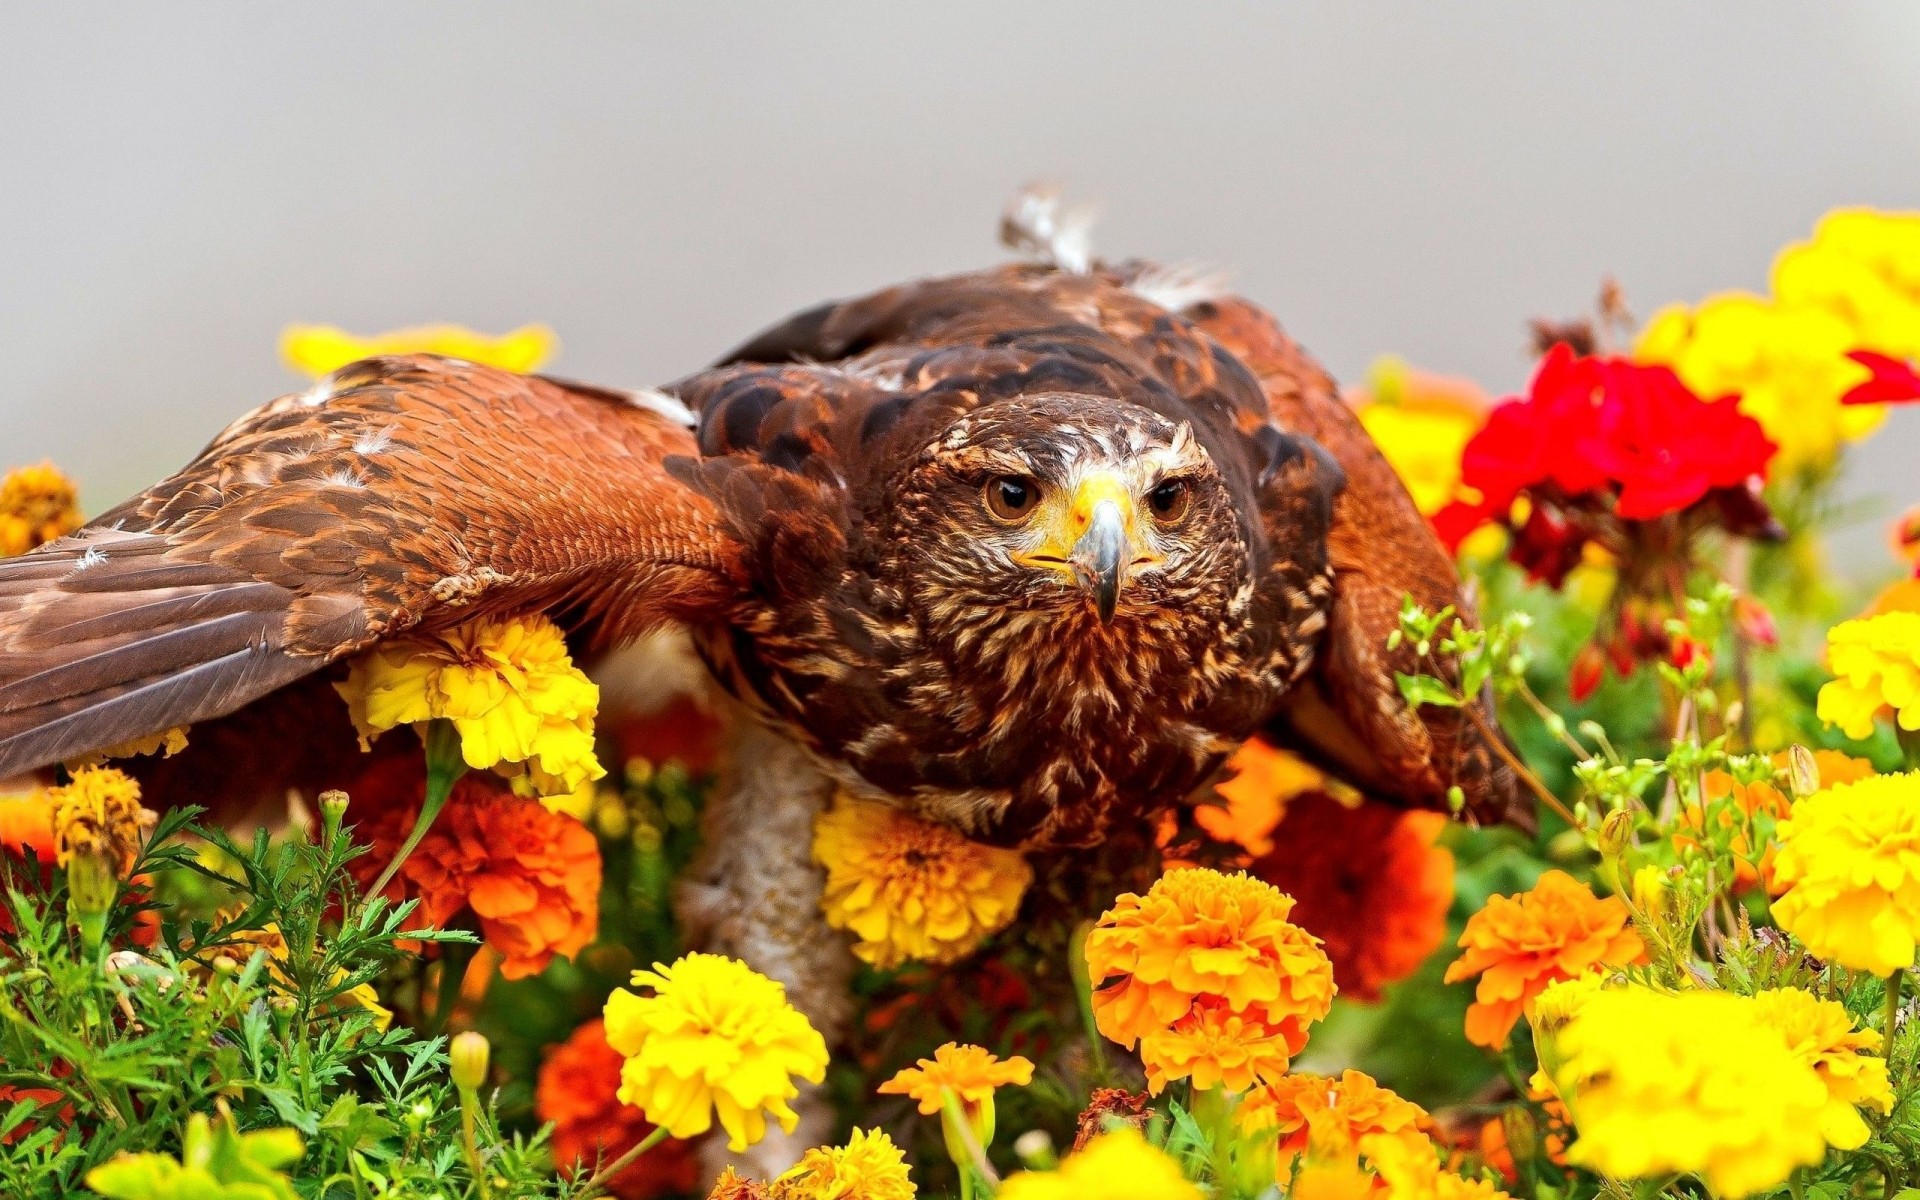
[
  {"x": 1687, "y": 651},
  {"x": 467, "y": 1058},
  {"x": 1616, "y": 833},
  {"x": 333, "y": 809},
  {"x": 1522, "y": 1132},
  {"x": 1755, "y": 621},
  {"x": 92, "y": 887},
  {"x": 1034, "y": 1149},
  {"x": 1652, "y": 893},
  {"x": 1588, "y": 669},
  {"x": 1803, "y": 771}
]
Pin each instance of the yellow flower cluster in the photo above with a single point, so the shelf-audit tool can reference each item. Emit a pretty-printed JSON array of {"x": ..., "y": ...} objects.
[
  {"x": 1853, "y": 287},
  {"x": 166, "y": 743},
  {"x": 37, "y": 505},
  {"x": 909, "y": 889},
  {"x": 98, "y": 812},
  {"x": 318, "y": 349},
  {"x": 1206, "y": 974},
  {"x": 1849, "y": 872},
  {"x": 1411, "y": 1170},
  {"x": 1696, "y": 1083},
  {"x": 1121, "y": 1165},
  {"x": 1877, "y": 662},
  {"x": 508, "y": 685},
  {"x": 715, "y": 1039},
  {"x": 868, "y": 1167},
  {"x": 1820, "y": 1033}
]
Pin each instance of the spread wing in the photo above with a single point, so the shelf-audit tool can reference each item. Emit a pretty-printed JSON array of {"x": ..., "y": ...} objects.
[
  {"x": 1230, "y": 361},
  {"x": 398, "y": 492},
  {"x": 1348, "y": 714}
]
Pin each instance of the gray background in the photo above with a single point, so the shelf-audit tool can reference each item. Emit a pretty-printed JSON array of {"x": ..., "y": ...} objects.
[{"x": 177, "y": 181}]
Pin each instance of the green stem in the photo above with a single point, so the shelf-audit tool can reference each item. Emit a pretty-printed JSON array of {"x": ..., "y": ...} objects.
[
  {"x": 454, "y": 958},
  {"x": 445, "y": 766},
  {"x": 470, "y": 1141},
  {"x": 599, "y": 1181},
  {"x": 1083, "y": 996},
  {"x": 1894, "y": 981}
]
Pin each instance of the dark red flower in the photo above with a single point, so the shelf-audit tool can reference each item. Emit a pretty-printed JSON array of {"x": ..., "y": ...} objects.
[{"x": 1892, "y": 381}]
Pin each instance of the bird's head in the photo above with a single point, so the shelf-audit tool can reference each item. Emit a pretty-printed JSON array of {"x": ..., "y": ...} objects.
[{"x": 1068, "y": 515}]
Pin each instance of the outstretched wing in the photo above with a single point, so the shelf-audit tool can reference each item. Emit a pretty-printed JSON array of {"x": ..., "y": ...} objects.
[
  {"x": 398, "y": 492},
  {"x": 1348, "y": 713}
]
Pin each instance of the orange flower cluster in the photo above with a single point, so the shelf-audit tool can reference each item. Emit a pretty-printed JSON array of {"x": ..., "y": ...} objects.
[
  {"x": 1332, "y": 1114},
  {"x": 576, "y": 1090},
  {"x": 1208, "y": 977},
  {"x": 1751, "y": 800},
  {"x": 530, "y": 877},
  {"x": 1368, "y": 881},
  {"x": 1520, "y": 944}
]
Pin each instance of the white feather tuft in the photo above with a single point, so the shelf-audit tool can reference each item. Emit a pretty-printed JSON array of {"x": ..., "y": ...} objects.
[
  {"x": 1179, "y": 287},
  {"x": 1035, "y": 224},
  {"x": 664, "y": 403},
  {"x": 373, "y": 441}
]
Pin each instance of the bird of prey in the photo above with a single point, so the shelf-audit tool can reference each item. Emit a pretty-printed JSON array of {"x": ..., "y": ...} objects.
[{"x": 1028, "y": 551}]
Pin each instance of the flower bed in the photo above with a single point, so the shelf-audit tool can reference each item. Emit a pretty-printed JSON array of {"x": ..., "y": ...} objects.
[{"x": 463, "y": 977}]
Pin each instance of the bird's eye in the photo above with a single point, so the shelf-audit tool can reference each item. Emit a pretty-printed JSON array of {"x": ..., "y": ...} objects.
[
  {"x": 1169, "y": 500},
  {"x": 1012, "y": 497}
]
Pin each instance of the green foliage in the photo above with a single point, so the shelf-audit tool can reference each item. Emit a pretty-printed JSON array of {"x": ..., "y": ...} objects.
[{"x": 249, "y": 1000}]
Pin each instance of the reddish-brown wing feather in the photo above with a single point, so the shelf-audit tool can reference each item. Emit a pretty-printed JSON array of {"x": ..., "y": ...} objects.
[
  {"x": 1348, "y": 713},
  {"x": 400, "y": 491}
]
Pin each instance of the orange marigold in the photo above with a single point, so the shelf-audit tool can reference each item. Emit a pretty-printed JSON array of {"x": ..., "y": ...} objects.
[
  {"x": 37, "y": 505},
  {"x": 1214, "y": 1046},
  {"x": 1331, "y": 1113},
  {"x": 576, "y": 1090},
  {"x": 1260, "y": 781},
  {"x": 530, "y": 877},
  {"x": 1204, "y": 939},
  {"x": 972, "y": 1073},
  {"x": 1368, "y": 881},
  {"x": 1520, "y": 944}
]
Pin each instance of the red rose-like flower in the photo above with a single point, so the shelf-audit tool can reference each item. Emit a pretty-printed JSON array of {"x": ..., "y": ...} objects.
[
  {"x": 1891, "y": 382},
  {"x": 530, "y": 877},
  {"x": 1588, "y": 426},
  {"x": 577, "y": 1091},
  {"x": 1369, "y": 882},
  {"x": 1666, "y": 447}
]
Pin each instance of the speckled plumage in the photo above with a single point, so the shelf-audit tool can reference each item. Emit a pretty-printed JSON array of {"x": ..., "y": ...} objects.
[{"x": 821, "y": 533}]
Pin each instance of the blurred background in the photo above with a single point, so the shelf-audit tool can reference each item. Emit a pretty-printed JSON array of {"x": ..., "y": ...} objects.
[{"x": 179, "y": 181}]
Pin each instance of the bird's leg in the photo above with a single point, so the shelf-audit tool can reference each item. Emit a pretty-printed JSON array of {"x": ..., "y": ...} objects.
[{"x": 754, "y": 893}]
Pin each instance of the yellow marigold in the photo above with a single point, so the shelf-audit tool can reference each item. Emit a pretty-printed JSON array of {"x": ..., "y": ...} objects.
[
  {"x": 1696, "y": 1082},
  {"x": 1121, "y": 1165},
  {"x": 508, "y": 685},
  {"x": 1877, "y": 661},
  {"x": 270, "y": 941},
  {"x": 716, "y": 1038},
  {"x": 1411, "y": 1170},
  {"x": 318, "y": 349},
  {"x": 868, "y": 1167},
  {"x": 37, "y": 505},
  {"x": 1328, "y": 1112},
  {"x": 99, "y": 812},
  {"x": 1849, "y": 872},
  {"x": 971, "y": 1073},
  {"x": 1334, "y": 1180},
  {"x": 1422, "y": 423},
  {"x": 166, "y": 743},
  {"x": 1821, "y": 1034},
  {"x": 1859, "y": 266},
  {"x": 910, "y": 889},
  {"x": 1204, "y": 935},
  {"x": 1520, "y": 944}
]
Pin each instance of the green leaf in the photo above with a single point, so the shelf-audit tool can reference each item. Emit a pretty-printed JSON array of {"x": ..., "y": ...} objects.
[{"x": 1425, "y": 689}]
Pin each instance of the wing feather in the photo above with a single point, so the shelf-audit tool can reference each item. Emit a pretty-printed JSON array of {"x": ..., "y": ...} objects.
[{"x": 406, "y": 491}]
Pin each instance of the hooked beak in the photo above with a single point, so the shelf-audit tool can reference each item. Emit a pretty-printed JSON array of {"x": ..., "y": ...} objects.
[{"x": 1100, "y": 557}]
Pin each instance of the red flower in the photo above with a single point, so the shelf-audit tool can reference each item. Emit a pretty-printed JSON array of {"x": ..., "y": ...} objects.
[
  {"x": 577, "y": 1092},
  {"x": 1891, "y": 382},
  {"x": 1591, "y": 426}
]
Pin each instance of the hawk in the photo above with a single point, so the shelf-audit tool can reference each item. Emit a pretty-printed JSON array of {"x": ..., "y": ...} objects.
[{"x": 1028, "y": 551}]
